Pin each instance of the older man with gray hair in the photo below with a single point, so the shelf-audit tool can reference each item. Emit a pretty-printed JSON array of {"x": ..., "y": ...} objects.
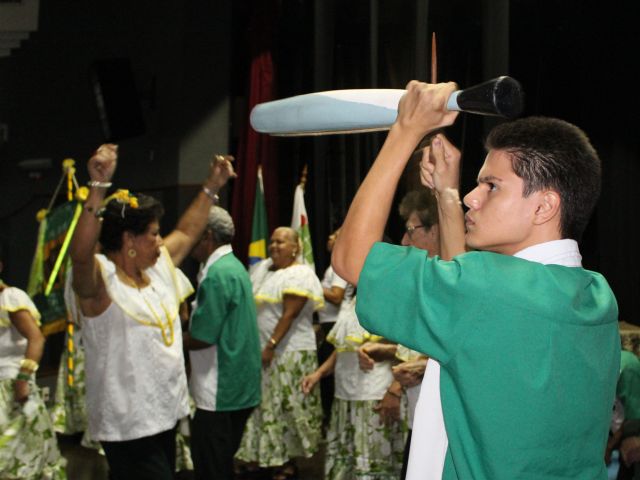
[{"x": 224, "y": 349}]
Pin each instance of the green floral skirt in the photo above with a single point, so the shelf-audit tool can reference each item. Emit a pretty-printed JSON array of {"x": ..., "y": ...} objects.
[
  {"x": 28, "y": 444},
  {"x": 69, "y": 412},
  {"x": 287, "y": 423},
  {"x": 359, "y": 447}
]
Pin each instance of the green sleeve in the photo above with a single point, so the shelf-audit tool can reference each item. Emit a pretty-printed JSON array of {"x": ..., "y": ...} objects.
[
  {"x": 209, "y": 316},
  {"x": 411, "y": 299}
]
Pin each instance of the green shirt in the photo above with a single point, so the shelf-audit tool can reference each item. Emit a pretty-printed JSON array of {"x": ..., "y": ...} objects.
[
  {"x": 529, "y": 356},
  {"x": 226, "y": 376},
  {"x": 628, "y": 389}
]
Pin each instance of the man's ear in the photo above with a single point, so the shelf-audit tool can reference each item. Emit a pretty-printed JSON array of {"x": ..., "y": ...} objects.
[{"x": 548, "y": 207}]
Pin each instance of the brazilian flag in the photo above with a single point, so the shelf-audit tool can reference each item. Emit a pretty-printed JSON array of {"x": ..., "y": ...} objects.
[{"x": 259, "y": 226}]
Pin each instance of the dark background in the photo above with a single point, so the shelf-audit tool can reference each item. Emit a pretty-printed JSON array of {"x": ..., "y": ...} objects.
[{"x": 188, "y": 68}]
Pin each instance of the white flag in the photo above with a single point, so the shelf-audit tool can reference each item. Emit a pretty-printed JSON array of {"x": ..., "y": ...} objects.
[{"x": 300, "y": 223}]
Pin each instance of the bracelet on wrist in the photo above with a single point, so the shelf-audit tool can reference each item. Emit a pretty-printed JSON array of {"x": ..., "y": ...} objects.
[
  {"x": 97, "y": 184},
  {"x": 28, "y": 364},
  {"x": 272, "y": 343},
  {"x": 25, "y": 377},
  {"x": 214, "y": 198},
  {"x": 397, "y": 395}
]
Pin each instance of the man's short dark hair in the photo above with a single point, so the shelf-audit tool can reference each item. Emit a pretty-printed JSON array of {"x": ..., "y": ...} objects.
[
  {"x": 548, "y": 153},
  {"x": 424, "y": 203}
]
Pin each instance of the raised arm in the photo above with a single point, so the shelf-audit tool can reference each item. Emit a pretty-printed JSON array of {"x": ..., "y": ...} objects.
[
  {"x": 421, "y": 110},
  {"x": 87, "y": 281},
  {"x": 440, "y": 171},
  {"x": 194, "y": 220}
]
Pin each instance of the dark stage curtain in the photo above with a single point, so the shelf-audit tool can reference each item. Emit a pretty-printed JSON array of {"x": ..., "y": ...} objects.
[{"x": 255, "y": 149}]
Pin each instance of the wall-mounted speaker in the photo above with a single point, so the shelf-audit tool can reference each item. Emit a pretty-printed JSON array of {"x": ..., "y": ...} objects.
[{"x": 117, "y": 99}]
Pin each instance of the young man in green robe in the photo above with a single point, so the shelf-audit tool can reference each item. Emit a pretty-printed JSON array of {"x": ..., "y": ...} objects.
[{"x": 526, "y": 340}]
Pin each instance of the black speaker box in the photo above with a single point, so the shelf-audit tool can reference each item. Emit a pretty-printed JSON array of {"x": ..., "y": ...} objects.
[{"x": 117, "y": 99}]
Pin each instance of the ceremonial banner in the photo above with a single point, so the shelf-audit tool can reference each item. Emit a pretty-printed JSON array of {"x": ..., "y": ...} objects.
[
  {"x": 259, "y": 228},
  {"x": 300, "y": 223},
  {"x": 51, "y": 235}
]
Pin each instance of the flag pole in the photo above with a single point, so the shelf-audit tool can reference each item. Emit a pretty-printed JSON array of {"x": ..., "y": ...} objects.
[
  {"x": 259, "y": 224},
  {"x": 303, "y": 177}
]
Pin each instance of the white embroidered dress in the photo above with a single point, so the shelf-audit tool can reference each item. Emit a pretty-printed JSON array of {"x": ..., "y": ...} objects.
[
  {"x": 269, "y": 289},
  {"x": 28, "y": 445},
  {"x": 12, "y": 344},
  {"x": 352, "y": 383},
  {"x": 136, "y": 381}
]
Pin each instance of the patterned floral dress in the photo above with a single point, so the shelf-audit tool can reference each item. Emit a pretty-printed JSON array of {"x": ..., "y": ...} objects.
[
  {"x": 69, "y": 411},
  {"x": 287, "y": 423},
  {"x": 28, "y": 444},
  {"x": 359, "y": 446}
]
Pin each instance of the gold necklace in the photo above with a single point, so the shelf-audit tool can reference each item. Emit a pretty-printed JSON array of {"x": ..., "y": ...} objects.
[
  {"x": 163, "y": 327},
  {"x": 167, "y": 339},
  {"x": 129, "y": 280}
]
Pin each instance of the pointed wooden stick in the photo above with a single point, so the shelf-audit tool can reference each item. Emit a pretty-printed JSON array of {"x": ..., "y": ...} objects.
[
  {"x": 434, "y": 59},
  {"x": 303, "y": 177}
]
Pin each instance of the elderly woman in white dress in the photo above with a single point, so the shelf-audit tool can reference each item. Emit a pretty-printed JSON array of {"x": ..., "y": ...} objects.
[
  {"x": 286, "y": 424},
  {"x": 129, "y": 298},
  {"x": 28, "y": 445}
]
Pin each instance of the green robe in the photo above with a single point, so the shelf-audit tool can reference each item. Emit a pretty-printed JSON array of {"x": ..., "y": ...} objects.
[{"x": 529, "y": 354}]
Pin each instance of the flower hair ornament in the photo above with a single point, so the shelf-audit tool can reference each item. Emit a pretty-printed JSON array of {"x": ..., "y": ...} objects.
[{"x": 123, "y": 197}]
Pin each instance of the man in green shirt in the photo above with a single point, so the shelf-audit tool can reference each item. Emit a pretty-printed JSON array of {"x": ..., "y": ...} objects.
[
  {"x": 224, "y": 351},
  {"x": 526, "y": 339}
]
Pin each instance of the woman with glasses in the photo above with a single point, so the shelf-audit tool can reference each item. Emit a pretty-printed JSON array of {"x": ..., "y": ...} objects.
[{"x": 419, "y": 209}]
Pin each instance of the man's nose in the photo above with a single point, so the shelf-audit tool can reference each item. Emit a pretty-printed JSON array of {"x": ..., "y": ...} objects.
[{"x": 471, "y": 199}]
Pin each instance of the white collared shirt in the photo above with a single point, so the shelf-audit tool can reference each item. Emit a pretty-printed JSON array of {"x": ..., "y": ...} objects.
[{"x": 204, "y": 362}]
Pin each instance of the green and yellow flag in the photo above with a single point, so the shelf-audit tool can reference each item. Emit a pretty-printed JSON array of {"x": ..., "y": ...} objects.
[
  {"x": 51, "y": 237},
  {"x": 259, "y": 226}
]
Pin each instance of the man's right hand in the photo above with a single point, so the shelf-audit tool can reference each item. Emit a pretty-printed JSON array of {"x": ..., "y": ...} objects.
[{"x": 423, "y": 108}]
